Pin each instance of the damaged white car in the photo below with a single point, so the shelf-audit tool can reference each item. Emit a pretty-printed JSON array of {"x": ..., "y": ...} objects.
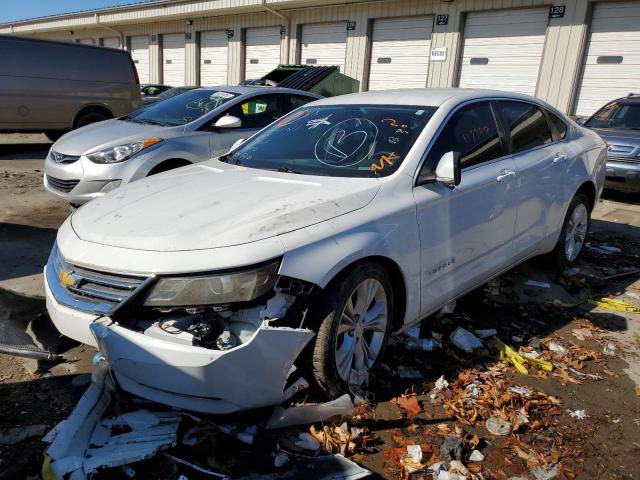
[{"x": 229, "y": 284}]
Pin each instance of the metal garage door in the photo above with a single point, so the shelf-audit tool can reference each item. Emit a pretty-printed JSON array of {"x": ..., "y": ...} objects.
[
  {"x": 173, "y": 59},
  {"x": 612, "y": 62},
  {"x": 111, "y": 42},
  {"x": 324, "y": 44},
  {"x": 140, "y": 56},
  {"x": 262, "y": 51},
  {"x": 400, "y": 53},
  {"x": 213, "y": 58},
  {"x": 502, "y": 49},
  {"x": 86, "y": 41}
]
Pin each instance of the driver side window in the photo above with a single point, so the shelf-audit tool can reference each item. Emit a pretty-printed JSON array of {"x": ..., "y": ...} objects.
[
  {"x": 257, "y": 112},
  {"x": 472, "y": 131}
]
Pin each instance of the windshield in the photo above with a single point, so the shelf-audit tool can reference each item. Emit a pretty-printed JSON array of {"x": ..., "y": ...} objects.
[
  {"x": 181, "y": 109},
  {"x": 337, "y": 140},
  {"x": 621, "y": 116},
  {"x": 173, "y": 92}
]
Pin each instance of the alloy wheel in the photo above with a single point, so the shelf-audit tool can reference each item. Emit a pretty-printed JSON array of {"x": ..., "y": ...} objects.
[
  {"x": 362, "y": 328},
  {"x": 576, "y": 232}
]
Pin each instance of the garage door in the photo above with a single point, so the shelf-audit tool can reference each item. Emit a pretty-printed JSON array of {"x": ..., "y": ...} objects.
[
  {"x": 503, "y": 49},
  {"x": 86, "y": 41},
  {"x": 400, "y": 53},
  {"x": 324, "y": 44},
  {"x": 140, "y": 56},
  {"x": 262, "y": 51},
  {"x": 612, "y": 62},
  {"x": 173, "y": 59},
  {"x": 213, "y": 58},
  {"x": 111, "y": 42}
]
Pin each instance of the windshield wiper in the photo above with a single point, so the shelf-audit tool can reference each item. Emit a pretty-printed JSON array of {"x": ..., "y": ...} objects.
[
  {"x": 289, "y": 170},
  {"x": 152, "y": 122}
]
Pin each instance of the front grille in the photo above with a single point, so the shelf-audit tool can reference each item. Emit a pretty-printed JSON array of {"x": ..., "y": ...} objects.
[
  {"x": 89, "y": 290},
  {"x": 62, "y": 158},
  {"x": 63, "y": 185},
  {"x": 617, "y": 158}
]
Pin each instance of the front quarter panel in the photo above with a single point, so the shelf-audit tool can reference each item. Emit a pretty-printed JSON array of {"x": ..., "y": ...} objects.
[{"x": 385, "y": 228}]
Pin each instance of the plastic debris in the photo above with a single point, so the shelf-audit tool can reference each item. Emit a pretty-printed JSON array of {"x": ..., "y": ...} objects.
[
  {"x": 580, "y": 374},
  {"x": 537, "y": 283},
  {"x": 441, "y": 384},
  {"x": 51, "y": 434},
  {"x": 15, "y": 435},
  {"x": 451, "y": 448},
  {"x": 307, "y": 414},
  {"x": 498, "y": 426},
  {"x": 605, "y": 249},
  {"x": 545, "y": 472},
  {"x": 556, "y": 348},
  {"x": 577, "y": 414},
  {"x": 415, "y": 453},
  {"x": 614, "y": 304},
  {"x": 81, "y": 380},
  {"x": 421, "y": 344},
  {"x": 465, "y": 340},
  {"x": 509, "y": 354},
  {"x": 476, "y": 456},
  {"x": 485, "y": 333},
  {"x": 520, "y": 390},
  {"x": 408, "y": 372},
  {"x": 610, "y": 349},
  {"x": 195, "y": 467}
]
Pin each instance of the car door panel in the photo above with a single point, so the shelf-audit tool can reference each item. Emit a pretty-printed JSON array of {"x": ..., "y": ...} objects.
[{"x": 466, "y": 232}]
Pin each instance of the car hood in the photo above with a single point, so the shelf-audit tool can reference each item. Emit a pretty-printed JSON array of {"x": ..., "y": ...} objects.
[
  {"x": 109, "y": 133},
  {"x": 212, "y": 205},
  {"x": 622, "y": 137}
]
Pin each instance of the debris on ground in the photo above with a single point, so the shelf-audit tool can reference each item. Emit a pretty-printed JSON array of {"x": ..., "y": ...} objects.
[
  {"x": 465, "y": 340},
  {"x": 19, "y": 434}
]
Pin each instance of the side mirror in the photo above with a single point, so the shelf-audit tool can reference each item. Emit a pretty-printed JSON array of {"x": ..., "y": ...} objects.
[
  {"x": 448, "y": 169},
  {"x": 236, "y": 144},
  {"x": 228, "y": 121},
  {"x": 581, "y": 120}
]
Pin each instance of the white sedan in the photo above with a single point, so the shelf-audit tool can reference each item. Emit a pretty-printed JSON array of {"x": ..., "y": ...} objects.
[{"x": 309, "y": 244}]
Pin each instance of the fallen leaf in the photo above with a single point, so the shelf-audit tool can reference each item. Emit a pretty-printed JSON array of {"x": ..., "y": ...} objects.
[{"x": 409, "y": 404}]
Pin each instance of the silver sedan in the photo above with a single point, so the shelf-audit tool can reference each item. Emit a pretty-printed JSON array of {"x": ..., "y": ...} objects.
[{"x": 191, "y": 127}]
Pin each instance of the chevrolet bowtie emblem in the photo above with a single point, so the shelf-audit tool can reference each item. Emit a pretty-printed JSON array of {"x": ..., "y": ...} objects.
[{"x": 66, "y": 279}]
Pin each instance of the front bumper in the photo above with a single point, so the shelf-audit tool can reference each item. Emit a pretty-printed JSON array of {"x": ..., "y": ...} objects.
[
  {"x": 252, "y": 375},
  {"x": 623, "y": 176}
]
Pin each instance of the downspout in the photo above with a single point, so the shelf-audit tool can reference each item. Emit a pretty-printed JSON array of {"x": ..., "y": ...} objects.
[
  {"x": 287, "y": 26},
  {"x": 120, "y": 34}
]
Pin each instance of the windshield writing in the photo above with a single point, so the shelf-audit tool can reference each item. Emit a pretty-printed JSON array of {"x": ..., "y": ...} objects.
[{"x": 345, "y": 140}]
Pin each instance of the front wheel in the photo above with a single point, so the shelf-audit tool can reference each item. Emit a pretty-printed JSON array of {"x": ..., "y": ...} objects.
[
  {"x": 574, "y": 233},
  {"x": 354, "y": 319}
]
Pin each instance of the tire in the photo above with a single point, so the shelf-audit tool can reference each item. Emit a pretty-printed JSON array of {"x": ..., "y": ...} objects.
[
  {"x": 54, "y": 135},
  {"x": 91, "y": 116},
  {"x": 337, "y": 337},
  {"x": 573, "y": 235}
]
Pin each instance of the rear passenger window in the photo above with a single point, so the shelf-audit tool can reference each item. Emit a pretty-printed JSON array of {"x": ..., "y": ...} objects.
[
  {"x": 559, "y": 125},
  {"x": 472, "y": 132},
  {"x": 527, "y": 123},
  {"x": 296, "y": 101}
]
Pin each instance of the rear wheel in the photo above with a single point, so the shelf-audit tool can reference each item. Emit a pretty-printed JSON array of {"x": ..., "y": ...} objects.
[
  {"x": 573, "y": 235},
  {"x": 354, "y": 323},
  {"x": 54, "y": 135},
  {"x": 91, "y": 116}
]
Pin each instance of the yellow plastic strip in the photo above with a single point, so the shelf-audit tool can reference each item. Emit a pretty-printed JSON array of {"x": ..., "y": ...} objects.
[{"x": 613, "y": 304}]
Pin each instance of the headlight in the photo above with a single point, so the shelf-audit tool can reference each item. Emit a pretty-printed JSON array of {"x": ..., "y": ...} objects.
[
  {"x": 213, "y": 289},
  {"x": 121, "y": 152}
]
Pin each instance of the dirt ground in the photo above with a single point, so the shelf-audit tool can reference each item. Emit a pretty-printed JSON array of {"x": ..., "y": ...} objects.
[{"x": 547, "y": 439}]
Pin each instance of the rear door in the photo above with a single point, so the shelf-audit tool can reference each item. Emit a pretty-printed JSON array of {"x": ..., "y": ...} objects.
[
  {"x": 466, "y": 232},
  {"x": 540, "y": 164}
]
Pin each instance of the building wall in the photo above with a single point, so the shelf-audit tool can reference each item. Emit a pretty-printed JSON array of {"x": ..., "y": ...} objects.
[{"x": 558, "y": 76}]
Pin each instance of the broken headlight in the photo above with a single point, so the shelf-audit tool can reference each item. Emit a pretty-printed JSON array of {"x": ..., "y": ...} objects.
[{"x": 214, "y": 289}]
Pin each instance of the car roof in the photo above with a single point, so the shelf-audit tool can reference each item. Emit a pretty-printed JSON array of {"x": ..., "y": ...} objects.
[
  {"x": 244, "y": 90},
  {"x": 433, "y": 97}
]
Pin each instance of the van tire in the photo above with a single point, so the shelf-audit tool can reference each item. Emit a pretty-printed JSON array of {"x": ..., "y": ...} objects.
[
  {"x": 90, "y": 116},
  {"x": 576, "y": 224},
  {"x": 326, "y": 319},
  {"x": 54, "y": 135}
]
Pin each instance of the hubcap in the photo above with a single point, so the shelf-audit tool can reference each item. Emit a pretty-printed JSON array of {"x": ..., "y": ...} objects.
[
  {"x": 576, "y": 232},
  {"x": 362, "y": 327}
]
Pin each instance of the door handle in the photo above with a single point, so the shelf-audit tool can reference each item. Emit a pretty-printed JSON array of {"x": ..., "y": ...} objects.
[
  {"x": 507, "y": 173},
  {"x": 559, "y": 158}
]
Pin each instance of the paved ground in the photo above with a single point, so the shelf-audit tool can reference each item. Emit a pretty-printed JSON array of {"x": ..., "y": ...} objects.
[{"x": 29, "y": 218}]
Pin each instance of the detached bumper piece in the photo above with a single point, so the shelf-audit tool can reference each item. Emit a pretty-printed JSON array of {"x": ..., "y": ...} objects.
[{"x": 87, "y": 442}]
